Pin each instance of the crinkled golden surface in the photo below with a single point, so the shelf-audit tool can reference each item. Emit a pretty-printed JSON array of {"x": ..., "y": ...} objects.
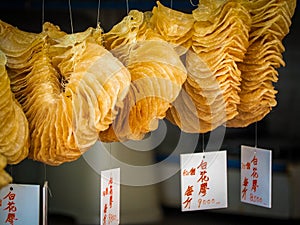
[
  {"x": 14, "y": 136},
  {"x": 157, "y": 75},
  {"x": 174, "y": 26},
  {"x": 5, "y": 178},
  {"x": 270, "y": 24},
  {"x": 69, "y": 91},
  {"x": 220, "y": 41}
]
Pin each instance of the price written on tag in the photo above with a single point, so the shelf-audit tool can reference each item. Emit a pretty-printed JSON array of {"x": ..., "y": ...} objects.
[
  {"x": 110, "y": 197},
  {"x": 256, "y": 176},
  {"x": 203, "y": 180},
  {"x": 19, "y": 204}
]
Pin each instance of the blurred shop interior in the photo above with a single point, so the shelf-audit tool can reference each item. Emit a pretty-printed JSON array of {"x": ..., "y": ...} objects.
[{"x": 74, "y": 186}]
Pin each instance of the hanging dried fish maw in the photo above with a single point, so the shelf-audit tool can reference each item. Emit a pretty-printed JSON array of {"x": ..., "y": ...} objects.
[
  {"x": 5, "y": 178},
  {"x": 270, "y": 24},
  {"x": 174, "y": 26},
  {"x": 157, "y": 75},
  {"x": 14, "y": 134},
  {"x": 220, "y": 40},
  {"x": 72, "y": 89}
]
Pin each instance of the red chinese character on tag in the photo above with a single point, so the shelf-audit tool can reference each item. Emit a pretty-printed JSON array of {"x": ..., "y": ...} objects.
[
  {"x": 11, "y": 217},
  {"x": 0, "y": 202},
  {"x": 203, "y": 177},
  {"x": 254, "y": 185},
  {"x": 187, "y": 202},
  {"x": 202, "y": 165},
  {"x": 11, "y": 196},
  {"x": 11, "y": 207},
  {"x": 254, "y": 160},
  {"x": 203, "y": 189},
  {"x": 189, "y": 191}
]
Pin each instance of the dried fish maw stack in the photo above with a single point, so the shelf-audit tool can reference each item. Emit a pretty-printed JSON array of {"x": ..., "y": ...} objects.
[
  {"x": 5, "y": 178},
  {"x": 220, "y": 40},
  {"x": 174, "y": 26},
  {"x": 71, "y": 91},
  {"x": 14, "y": 133},
  {"x": 157, "y": 75},
  {"x": 271, "y": 21}
]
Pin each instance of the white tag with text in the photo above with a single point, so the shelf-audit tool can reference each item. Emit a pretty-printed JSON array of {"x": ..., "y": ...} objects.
[
  {"x": 256, "y": 176},
  {"x": 110, "y": 197},
  {"x": 203, "y": 180},
  {"x": 20, "y": 204}
]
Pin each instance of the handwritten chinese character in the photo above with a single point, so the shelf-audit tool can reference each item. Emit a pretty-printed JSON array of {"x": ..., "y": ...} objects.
[
  {"x": 202, "y": 165},
  {"x": 203, "y": 189},
  {"x": 254, "y": 160},
  {"x": 189, "y": 191},
  {"x": 246, "y": 165},
  {"x": 185, "y": 172},
  {"x": 254, "y": 173},
  {"x": 203, "y": 177},
  {"x": 244, "y": 193},
  {"x": 11, "y": 196},
  {"x": 11, "y": 207},
  {"x": 193, "y": 171},
  {"x": 254, "y": 185},
  {"x": 104, "y": 219},
  {"x": 187, "y": 202},
  {"x": 11, "y": 217}
]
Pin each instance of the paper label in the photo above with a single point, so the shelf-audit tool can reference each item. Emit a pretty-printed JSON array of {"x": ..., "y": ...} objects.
[
  {"x": 256, "y": 176},
  {"x": 110, "y": 197},
  {"x": 19, "y": 204},
  {"x": 203, "y": 180}
]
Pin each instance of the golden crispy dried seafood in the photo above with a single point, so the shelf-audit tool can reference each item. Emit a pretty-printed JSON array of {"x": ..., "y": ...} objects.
[
  {"x": 174, "y": 26},
  {"x": 157, "y": 75},
  {"x": 14, "y": 134},
  {"x": 271, "y": 21},
  {"x": 72, "y": 89},
  {"x": 5, "y": 178},
  {"x": 211, "y": 91}
]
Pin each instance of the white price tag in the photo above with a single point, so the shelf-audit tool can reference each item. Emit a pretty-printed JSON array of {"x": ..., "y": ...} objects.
[
  {"x": 110, "y": 197},
  {"x": 203, "y": 180},
  {"x": 256, "y": 176},
  {"x": 20, "y": 204}
]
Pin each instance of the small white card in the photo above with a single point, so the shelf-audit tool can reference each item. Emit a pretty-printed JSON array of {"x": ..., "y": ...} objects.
[
  {"x": 203, "y": 180},
  {"x": 20, "y": 204},
  {"x": 256, "y": 176},
  {"x": 110, "y": 197}
]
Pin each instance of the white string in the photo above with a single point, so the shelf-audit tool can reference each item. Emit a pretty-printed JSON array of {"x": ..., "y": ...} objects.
[
  {"x": 98, "y": 14},
  {"x": 255, "y": 135},
  {"x": 192, "y": 3},
  {"x": 43, "y": 12},
  {"x": 127, "y": 6},
  {"x": 171, "y": 4},
  {"x": 45, "y": 172},
  {"x": 71, "y": 20},
  {"x": 203, "y": 148}
]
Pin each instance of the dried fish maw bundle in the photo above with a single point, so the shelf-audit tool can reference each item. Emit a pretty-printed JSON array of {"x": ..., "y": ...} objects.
[
  {"x": 220, "y": 40},
  {"x": 5, "y": 178},
  {"x": 157, "y": 75},
  {"x": 271, "y": 21},
  {"x": 19, "y": 46},
  {"x": 96, "y": 85},
  {"x": 69, "y": 96},
  {"x": 174, "y": 26},
  {"x": 14, "y": 134},
  {"x": 125, "y": 31}
]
